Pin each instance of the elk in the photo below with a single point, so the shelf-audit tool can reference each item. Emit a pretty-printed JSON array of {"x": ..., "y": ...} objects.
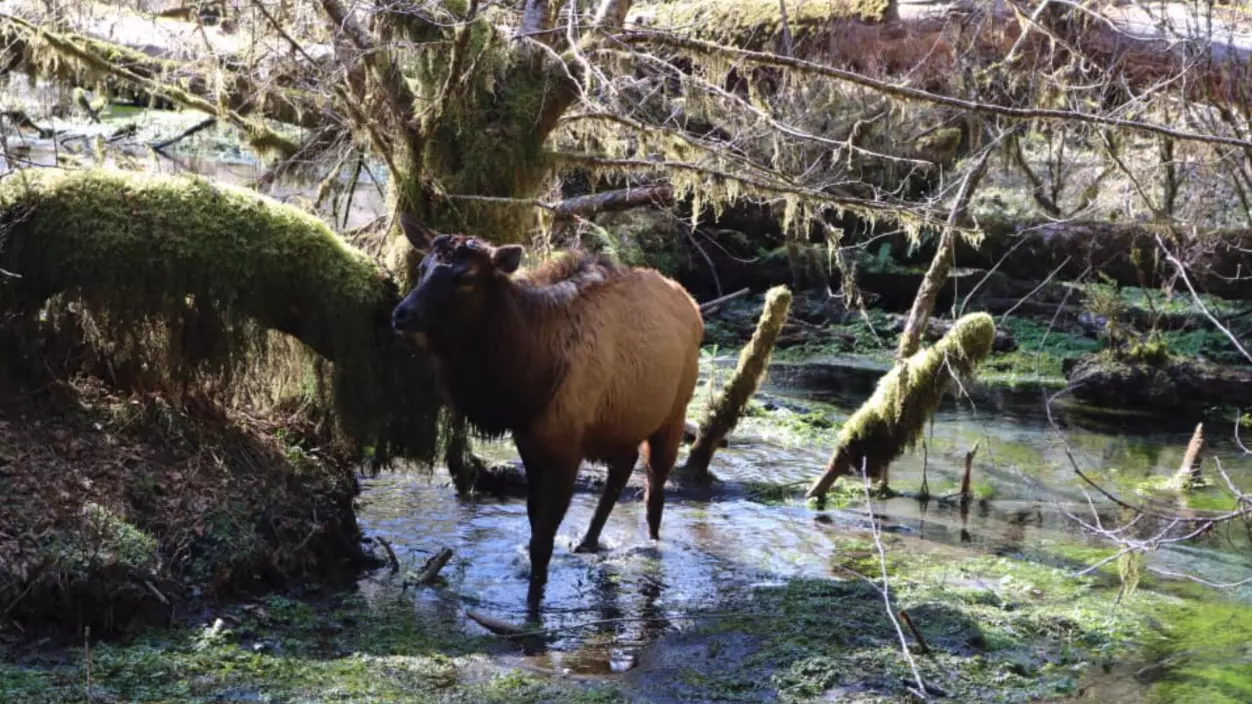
[{"x": 578, "y": 358}]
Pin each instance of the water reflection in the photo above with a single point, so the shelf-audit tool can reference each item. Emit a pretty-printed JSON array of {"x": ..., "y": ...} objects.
[{"x": 605, "y": 608}]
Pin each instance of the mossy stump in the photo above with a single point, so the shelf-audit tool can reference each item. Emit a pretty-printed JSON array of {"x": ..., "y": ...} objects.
[
  {"x": 906, "y": 397},
  {"x": 724, "y": 411}
]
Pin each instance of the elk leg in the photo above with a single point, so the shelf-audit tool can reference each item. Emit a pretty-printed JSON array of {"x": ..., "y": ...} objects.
[
  {"x": 550, "y": 485},
  {"x": 619, "y": 474},
  {"x": 662, "y": 452}
]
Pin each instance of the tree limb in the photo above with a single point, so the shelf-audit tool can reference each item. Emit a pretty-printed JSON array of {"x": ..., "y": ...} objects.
[
  {"x": 908, "y": 93},
  {"x": 383, "y": 66},
  {"x": 609, "y": 201},
  {"x": 940, "y": 266},
  {"x": 194, "y": 90}
]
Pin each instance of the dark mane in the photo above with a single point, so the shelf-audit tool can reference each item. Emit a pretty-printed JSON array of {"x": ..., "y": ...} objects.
[{"x": 571, "y": 273}]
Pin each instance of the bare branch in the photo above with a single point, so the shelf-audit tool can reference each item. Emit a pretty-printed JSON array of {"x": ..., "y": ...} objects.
[
  {"x": 908, "y": 93},
  {"x": 1182, "y": 272},
  {"x": 383, "y": 66},
  {"x": 623, "y": 199},
  {"x": 941, "y": 264}
]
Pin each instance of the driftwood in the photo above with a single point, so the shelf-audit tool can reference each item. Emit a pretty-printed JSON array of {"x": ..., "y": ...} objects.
[
  {"x": 431, "y": 569},
  {"x": 495, "y": 625}
]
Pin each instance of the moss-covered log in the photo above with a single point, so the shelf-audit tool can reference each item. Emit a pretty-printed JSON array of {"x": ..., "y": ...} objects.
[
  {"x": 725, "y": 410},
  {"x": 905, "y": 399},
  {"x": 214, "y": 265}
]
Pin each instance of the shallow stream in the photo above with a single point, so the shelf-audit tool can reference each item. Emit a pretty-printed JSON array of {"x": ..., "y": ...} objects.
[{"x": 716, "y": 552}]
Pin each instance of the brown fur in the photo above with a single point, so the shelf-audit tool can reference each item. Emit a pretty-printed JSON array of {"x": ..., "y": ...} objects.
[{"x": 580, "y": 359}]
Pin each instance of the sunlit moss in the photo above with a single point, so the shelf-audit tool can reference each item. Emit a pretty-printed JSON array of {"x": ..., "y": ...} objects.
[{"x": 906, "y": 397}]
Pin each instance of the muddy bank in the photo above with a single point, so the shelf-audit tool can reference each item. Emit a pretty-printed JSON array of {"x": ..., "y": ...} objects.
[
  {"x": 1105, "y": 380},
  {"x": 122, "y": 511}
]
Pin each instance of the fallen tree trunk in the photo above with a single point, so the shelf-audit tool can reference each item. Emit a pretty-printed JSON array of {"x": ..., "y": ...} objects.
[
  {"x": 1219, "y": 262},
  {"x": 193, "y": 274},
  {"x": 922, "y": 45}
]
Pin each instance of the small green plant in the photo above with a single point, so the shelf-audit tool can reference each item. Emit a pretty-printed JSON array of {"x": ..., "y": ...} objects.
[{"x": 1152, "y": 351}]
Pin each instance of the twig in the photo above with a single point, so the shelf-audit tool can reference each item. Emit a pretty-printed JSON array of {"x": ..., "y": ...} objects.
[
  {"x": 1033, "y": 291},
  {"x": 198, "y": 127},
  {"x": 391, "y": 554},
  {"x": 885, "y": 590},
  {"x": 917, "y": 635},
  {"x": 1182, "y": 272},
  {"x": 156, "y": 592},
  {"x": 708, "y": 306}
]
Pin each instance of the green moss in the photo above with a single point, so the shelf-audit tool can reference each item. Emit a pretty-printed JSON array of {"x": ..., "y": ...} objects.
[
  {"x": 724, "y": 410},
  {"x": 1200, "y": 651},
  {"x": 103, "y": 542},
  {"x": 341, "y": 649},
  {"x": 196, "y": 272},
  {"x": 490, "y": 138},
  {"x": 999, "y": 630}
]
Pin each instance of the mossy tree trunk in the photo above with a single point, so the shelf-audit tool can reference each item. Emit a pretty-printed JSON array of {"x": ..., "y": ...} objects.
[
  {"x": 725, "y": 410},
  {"x": 155, "y": 258},
  {"x": 908, "y": 395}
]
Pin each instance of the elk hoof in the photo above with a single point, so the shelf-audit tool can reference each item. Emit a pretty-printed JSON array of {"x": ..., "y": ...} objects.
[{"x": 588, "y": 546}]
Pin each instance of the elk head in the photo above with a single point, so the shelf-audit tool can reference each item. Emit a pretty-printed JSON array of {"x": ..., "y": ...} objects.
[{"x": 453, "y": 281}]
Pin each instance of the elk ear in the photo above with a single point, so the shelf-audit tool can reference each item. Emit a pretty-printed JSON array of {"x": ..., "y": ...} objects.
[
  {"x": 417, "y": 233},
  {"x": 507, "y": 258}
]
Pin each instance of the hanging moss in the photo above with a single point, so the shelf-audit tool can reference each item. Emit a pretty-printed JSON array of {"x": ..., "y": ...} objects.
[
  {"x": 724, "y": 411},
  {"x": 906, "y": 398},
  {"x": 180, "y": 264},
  {"x": 489, "y": 140}
]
